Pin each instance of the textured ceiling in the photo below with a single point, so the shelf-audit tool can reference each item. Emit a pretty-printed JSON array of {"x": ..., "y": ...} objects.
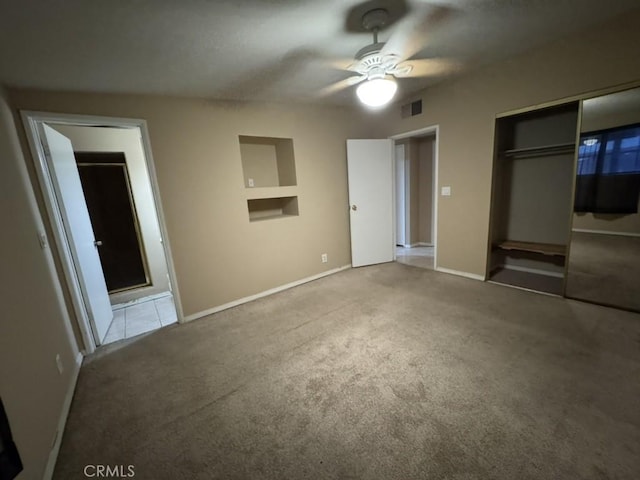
[{"x": 283, "y": 50}]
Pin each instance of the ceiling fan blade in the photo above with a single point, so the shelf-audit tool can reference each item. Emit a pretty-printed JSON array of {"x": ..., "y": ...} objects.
[
  {"x": 425, "y": 67},
  {"x": 341, "y": 63},
  {"x": 341, "y": 85},
  {"x": 411, "y": 34},
  {"x": 356, "y": 80}
]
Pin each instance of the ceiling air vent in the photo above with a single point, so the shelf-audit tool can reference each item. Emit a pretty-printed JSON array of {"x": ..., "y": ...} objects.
[{"x": 411, "y": 109}]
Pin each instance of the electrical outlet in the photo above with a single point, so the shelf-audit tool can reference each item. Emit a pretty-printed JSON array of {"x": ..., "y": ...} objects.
[
  {"x": 250, "y": 182},
  {"x": 446, "y": 191},
  {"x": 324, "y": 257},
  {"x": 59, "y": 364},
  {"x": 42, "y": 238}
]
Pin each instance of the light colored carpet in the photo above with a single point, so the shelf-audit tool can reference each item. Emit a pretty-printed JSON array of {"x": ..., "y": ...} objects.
[
  {"x": 383, "y": 372},
  {"x": 605, "y": 269}
]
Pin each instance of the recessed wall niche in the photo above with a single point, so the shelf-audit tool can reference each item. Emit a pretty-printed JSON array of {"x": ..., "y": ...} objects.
[
  {"x": 269, "y": 171},
  {"x": 267, "y": 161},
  {"x": 269, "y": 208}
]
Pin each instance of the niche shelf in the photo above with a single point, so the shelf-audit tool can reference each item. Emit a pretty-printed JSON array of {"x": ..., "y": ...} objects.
[
  {"x": 270, "y": 192},
  {"x": 267, "y": 161},
  {"x": 270, "y": 208}
]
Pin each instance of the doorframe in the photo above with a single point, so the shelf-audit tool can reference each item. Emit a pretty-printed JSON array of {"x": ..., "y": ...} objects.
[
  {"x": 435, "y": 129},
  {"x": 401, "y": 194},
  {"x": 31, "y": 120}
]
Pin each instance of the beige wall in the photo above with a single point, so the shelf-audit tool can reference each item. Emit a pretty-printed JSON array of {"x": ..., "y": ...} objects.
[
  {"x": 259, "y": 164},
  {"x": 103, "y": 139},
  {"x": 413, "y": 153},
  {"x": 412, "y": 190},
  {"x": 34, "y": 327},
  {"x": 465, "y": 110},
  {"x": 219, "y": 255}
]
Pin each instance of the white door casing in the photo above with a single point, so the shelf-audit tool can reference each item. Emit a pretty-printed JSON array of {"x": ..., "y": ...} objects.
[
  {"x": 370, "y": 175},
  {"x": 400, "y": 194},
  {"x": 77, "y": 225}
]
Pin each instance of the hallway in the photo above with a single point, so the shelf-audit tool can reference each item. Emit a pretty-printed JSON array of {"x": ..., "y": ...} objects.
[
  {"x": 421, "y": 257},
  {"x": 141, "y": 316}
]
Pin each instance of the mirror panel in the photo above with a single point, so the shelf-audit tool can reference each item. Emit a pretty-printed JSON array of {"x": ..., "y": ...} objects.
[{"x": 604, "y": 255}]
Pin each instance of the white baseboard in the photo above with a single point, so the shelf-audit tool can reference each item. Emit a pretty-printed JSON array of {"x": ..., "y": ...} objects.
[
  {"x": 266, "y": 293},
  {"x": 62, "y": 421},
  {"x": 537, "y": 271},
  {"x": 606, "y": 232},
  {"x": 460, "y": 274}
]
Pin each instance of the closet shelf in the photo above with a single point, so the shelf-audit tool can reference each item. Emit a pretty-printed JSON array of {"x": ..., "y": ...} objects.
[
  {"x": 543, "y": 248},
  {"x": 542, "y": 151}
]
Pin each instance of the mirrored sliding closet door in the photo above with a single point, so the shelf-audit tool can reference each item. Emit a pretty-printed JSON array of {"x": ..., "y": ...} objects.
[{"x": 604, "y": 254}]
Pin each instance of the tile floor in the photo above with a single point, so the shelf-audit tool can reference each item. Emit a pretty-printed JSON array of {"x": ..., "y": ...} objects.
[
  {"x": 417, "y": 256},
  {"x": 141, "y": 316}
]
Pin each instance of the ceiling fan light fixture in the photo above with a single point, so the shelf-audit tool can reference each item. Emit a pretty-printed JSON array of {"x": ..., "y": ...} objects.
[{"x": 377, "y": 92}]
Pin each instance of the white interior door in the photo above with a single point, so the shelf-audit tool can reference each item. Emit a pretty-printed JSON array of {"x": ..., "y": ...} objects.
[
  {"x": 370, "y": 169},
  {"x": 77, "y": 224}
]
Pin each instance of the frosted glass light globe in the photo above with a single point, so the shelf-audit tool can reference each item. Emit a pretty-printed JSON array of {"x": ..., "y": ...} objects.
[{"x": 377, "y": 92}]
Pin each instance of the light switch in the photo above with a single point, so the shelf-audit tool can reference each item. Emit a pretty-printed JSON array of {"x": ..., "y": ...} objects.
[
  {"x": 446, "y": 191},
  {"x": 250, "y": 182}
]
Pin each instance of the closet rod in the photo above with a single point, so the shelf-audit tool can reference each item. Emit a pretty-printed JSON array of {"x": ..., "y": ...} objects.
[{"x": 541, "y": 151}]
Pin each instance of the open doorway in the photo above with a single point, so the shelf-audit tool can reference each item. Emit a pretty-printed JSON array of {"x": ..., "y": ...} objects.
[
  {"x": 415, "y": 197},
  {"x": 100, "y": 192}
]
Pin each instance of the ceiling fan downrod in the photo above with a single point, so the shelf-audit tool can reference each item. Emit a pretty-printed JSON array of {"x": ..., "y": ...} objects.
[{"x": 374, "y": 20}]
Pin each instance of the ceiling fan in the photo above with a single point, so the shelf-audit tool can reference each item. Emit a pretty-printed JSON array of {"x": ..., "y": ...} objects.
[{"x": 380, "y": 63}]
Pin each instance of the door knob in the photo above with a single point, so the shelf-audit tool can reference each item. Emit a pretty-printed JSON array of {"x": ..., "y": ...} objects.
[
  {"x": 98, "y": 243},
  {"x": 354, "y": 207}
]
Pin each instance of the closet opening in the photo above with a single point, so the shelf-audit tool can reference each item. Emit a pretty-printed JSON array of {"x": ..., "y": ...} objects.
[{"x": 531, "y": 205}]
